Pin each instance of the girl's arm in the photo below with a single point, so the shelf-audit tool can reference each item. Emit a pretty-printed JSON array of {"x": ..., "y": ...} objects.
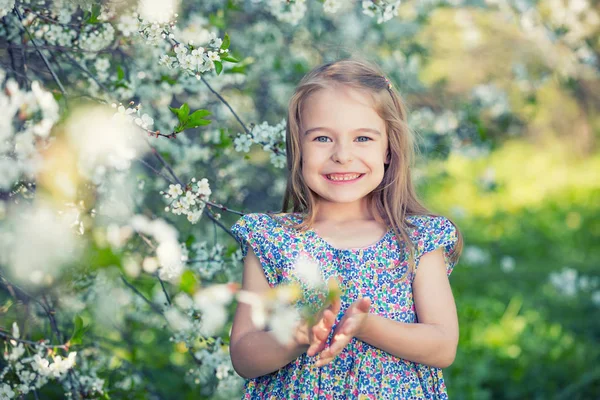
[
  {"x": 255, "y": 352},
  {"x": 433, "y": 340}
]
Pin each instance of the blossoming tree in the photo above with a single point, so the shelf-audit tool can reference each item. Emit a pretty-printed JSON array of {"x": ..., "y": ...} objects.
[{"x": 126, "y": 132}]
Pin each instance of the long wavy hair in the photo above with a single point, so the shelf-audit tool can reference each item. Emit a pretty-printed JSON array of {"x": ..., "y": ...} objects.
[{"x": 394, "y": 198}]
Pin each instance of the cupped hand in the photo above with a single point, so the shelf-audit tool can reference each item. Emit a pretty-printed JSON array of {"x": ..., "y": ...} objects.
[{"x": 350, "y": 326}]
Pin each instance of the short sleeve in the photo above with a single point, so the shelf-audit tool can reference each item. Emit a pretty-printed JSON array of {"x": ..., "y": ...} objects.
[
  {"x": 434, "y": 232},
  {"x": 256, "y": 231}
]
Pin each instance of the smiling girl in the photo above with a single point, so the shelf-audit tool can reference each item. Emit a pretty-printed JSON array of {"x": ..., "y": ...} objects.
[{"x": 353, "y": 210}]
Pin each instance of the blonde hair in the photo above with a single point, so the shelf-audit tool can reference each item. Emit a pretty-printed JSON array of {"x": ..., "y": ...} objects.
[{"x": 395, "y": 197}]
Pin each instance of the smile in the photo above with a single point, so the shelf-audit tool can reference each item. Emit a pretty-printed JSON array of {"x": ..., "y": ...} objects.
[{"x": 352, "y": 177}]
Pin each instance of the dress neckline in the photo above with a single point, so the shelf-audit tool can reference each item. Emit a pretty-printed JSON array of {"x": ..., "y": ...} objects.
[{"x": 369, "y": 247}]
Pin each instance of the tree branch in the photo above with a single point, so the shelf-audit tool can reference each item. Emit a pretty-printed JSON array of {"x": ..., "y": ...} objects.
[{"x": 62, "y": 89}]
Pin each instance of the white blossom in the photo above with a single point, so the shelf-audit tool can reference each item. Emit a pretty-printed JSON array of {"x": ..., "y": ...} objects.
[
  {"x": 332, "y": 6},
  {"x": 174, "y": 191},
  {"x": 308, "y": 271},
  {"x": 283, "y": 323},
  {"x": 6, "y": 391}
]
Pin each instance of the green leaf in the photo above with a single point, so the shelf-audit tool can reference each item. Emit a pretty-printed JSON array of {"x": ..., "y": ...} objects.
[
  {"x": 199, "y": 114},
  {"x": 79, "y": 330},
  {"x": 226, "y": 42},
  {"x": 120, "y": 73},
  {"x": 185, "y": 110},
  {"x": 196, "y": 124},
  {"x": 230, "y": 59},
  {"x": 93, "y": 18},
  {"x": 218, "y": 67},
  {"x": 182, "y": 113},
  {"x": 188, "y": 282}
]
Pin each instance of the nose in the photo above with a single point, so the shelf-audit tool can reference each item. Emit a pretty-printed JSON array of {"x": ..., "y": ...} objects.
[{"x": 342, "y": 153}]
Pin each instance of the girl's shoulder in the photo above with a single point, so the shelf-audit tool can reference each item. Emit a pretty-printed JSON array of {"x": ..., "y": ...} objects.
[
  {"x": 429, "y": 223},
  {"x": 429, "y": 232}
]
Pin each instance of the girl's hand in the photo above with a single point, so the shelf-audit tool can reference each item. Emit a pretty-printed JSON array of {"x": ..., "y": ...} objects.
[
  {"x": 350, "y": 325},
  {"x": 315, "y": 336},
  {"x": 320, "y": 331}
]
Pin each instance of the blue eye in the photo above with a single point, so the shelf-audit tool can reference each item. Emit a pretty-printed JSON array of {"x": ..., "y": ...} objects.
[
  {"x": 318, "y": 139},
  {"x": 364, "y": 137}
]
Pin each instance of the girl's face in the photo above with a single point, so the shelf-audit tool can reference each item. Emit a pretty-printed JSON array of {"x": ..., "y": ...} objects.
[{"x": 343, "y": 145}]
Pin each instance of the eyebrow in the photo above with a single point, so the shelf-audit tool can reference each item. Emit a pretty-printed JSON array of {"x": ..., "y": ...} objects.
[{"x": 322, "y": 128}]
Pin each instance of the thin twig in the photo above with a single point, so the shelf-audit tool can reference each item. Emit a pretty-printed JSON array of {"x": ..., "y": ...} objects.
[
  {"x": 55, "y": 48},
  {"x": 153, "y": 306},
  {"x": 162, "y": 285},
  {"x": 62, "y": 89},
  {"x": 48, "y": 19},
  {"x": 165, "y": 164},
  {"x": 86, "y": 71},
  {"x": 226, "y": 104},
  {"x": 10, "y": 337},
  {"x": 154, "y": 170}
]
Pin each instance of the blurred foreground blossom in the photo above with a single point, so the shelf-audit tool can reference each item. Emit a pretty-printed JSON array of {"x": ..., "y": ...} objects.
[
  {"x": 212, "y": 303},
  {"x": 308, "y": 271},
  {"x": 275, "y": 309},
  {"x": 41, "y": 242},
  {"x": 158, "y": 11},
  {"x": 105, "y": 139}
]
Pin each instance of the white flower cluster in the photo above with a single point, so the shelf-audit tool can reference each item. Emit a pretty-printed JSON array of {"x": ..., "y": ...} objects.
[
  {"x": 6, "y": 7},
  {"x": 332, "y": 6},
  {"x": 96, "y": 37},
  {"x": 195, "y": 60},
  {"x": 31, "y": 372},
  {"x": 169, "y": 260},
  {"x": 128, "y": 24},
  {"x": 55, "y": 369},
  {"x": 212, "y": 363},
  {"x": 190, "y": 203},
  {"x": 289, "y": 11},
  {"x": 133, "y": 114},
  {"x": 272, "y": 138},
  {"x": 383, "y": 10},
  {"x": 26, "y": 119},
  {"x": 102, "y": 65},
  {"x": 153, "y": 32},
  {"x": 209, "y": 262}
]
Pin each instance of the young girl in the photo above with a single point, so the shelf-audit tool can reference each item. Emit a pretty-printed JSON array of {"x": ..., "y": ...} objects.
[{"x": 354, "y": 210}]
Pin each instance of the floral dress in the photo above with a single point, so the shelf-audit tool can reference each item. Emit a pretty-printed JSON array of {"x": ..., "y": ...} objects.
[{"x": 361, "y": 371}]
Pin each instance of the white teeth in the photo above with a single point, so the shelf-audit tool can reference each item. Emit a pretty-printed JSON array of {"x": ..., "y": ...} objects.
[{"x": 344, "y": 177}]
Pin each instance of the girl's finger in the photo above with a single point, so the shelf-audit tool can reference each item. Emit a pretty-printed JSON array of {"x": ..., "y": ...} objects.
[
  {"x": 328, "y": 318},
  {"x": 320, "y": 333},
  {"x": 316, "y": 348}
]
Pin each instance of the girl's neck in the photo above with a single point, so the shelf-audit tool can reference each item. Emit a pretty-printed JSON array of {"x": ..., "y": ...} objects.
[{"x": 343, "y": 212}]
